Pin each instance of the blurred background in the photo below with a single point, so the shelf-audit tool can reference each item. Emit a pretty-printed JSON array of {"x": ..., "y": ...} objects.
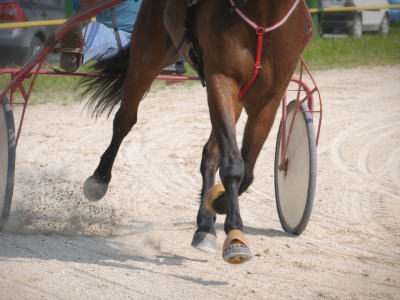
[{"x": 18, "y": 44}]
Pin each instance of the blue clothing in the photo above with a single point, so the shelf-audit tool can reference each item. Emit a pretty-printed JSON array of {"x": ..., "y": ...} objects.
[
  {"x": 100, "y": 40},
  {"x": 126, "y": 14},
  {"x": 101, "y": 43}
]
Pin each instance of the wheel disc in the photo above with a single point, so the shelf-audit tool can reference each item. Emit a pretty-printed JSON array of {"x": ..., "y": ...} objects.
[
  {"x": 295, "y": 186},
  {"x": 7, "y": 161}
]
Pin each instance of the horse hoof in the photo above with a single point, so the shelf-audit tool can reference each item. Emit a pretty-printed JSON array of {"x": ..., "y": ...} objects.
[
  {"x": 94, "y": 189},
  {"x": 236, "y": 249},
  {"x": 211, "y": 195},
  {"x": 205, "y": 241}
]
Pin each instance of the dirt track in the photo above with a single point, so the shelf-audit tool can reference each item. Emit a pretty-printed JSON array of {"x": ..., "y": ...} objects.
[{"x": 135, "y": 243}]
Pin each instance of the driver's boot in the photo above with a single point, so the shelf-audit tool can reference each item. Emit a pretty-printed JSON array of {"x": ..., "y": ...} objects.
[{"x": 69, "y": 61}]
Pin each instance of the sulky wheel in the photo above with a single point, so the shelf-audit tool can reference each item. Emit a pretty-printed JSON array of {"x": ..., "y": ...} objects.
[
  {"x": 295, "y": 186},
  {"x": 7, "y": 160}
]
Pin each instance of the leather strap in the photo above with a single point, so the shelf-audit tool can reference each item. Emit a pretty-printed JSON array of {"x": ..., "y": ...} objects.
[
  {"x": 260, "y": 32},
  {"x": 194, "y": 51},
  {"x": 116, "y": 30}
]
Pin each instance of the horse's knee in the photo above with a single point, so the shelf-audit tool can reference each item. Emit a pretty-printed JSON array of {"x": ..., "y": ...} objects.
[{"x": 231, "y": 169}]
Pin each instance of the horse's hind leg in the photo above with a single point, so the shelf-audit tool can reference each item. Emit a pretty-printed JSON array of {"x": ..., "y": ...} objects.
[
  {"x": 205, "y": 235},
  {"x": 258, "y": 126},
  {"x": 151, "y": 51},
  {"x": 96, "y": 186}
]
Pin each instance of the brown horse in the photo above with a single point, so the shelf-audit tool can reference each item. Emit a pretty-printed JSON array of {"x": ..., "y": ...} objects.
[{"x": 228, "y": 47}]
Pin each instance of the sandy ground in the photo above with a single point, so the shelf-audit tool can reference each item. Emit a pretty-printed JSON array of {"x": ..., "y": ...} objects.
[{"x": 135, "y": 243}]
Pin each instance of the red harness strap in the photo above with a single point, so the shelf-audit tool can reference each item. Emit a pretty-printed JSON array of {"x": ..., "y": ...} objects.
[{"x": 260, "y": 32}]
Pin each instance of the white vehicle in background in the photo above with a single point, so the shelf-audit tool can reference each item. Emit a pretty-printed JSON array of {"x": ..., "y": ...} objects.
[{"x": 354, "y": 23}]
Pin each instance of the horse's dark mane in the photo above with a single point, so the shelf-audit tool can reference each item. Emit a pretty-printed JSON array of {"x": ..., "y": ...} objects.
[{"x": 105, "y": 91}]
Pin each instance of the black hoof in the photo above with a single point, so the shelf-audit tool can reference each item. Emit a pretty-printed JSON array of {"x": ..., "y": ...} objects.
[
  {"x": 93, "y": 189},
  {"x": 205, "y": 241}
]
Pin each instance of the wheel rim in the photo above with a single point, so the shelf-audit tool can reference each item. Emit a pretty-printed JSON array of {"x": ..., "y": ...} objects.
[
  {"x": 292, "y": 186},
  {"x": 3, "y": 157},
  {"x": 7, "y": 161}
]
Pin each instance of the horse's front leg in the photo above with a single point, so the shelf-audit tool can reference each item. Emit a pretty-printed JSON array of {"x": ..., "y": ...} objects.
[
  {"x": 205, "y": 235},
  {"x": 222, "y": 93},
  {"x": 259, "y": 123}
]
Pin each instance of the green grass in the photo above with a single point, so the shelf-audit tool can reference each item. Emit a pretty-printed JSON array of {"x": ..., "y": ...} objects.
[
  {"x": 321, "y": 54},
  {"x": 368, "y": 51}
]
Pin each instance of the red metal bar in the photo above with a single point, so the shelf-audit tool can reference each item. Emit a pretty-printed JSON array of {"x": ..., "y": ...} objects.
[
  {"x": 319, "y": 96},
  {"x": 309, "y": 33},
  {"x": 81, "y": 74},
  {"x": 11, "y": 103},
  {"x": 26, "y": 98},
  {"x": 17, "y": 72},
  {"x": 25, "y": 71},
  {"x": 306, "y": 89},
  {"x": 283, "y": 155},
  {"x": 34, "y": 79},
  {"x": 12, "y": 98},
  {"x": 22, "y": 90},
  {"x": 310, "y": 98}
]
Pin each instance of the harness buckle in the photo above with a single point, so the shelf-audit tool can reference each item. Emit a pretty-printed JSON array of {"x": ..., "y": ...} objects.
[{"x": 257, "y": 66}]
